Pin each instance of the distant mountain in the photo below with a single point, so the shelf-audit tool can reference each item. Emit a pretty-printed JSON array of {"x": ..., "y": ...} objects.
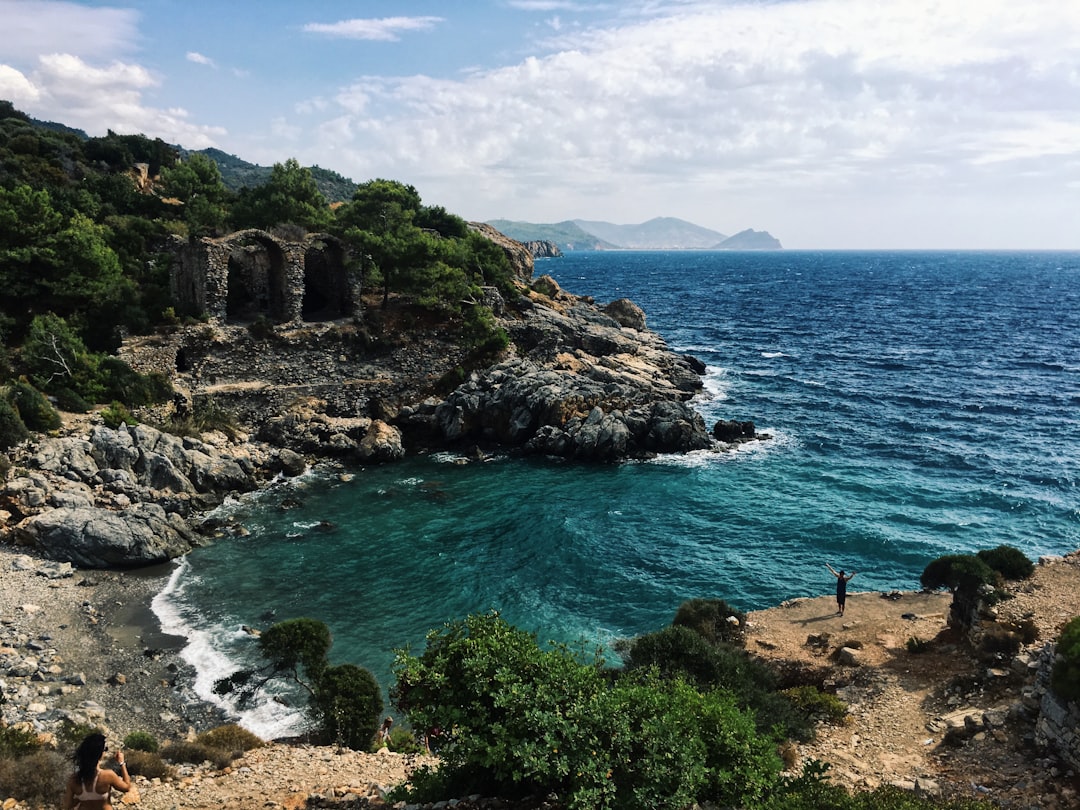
[
  {"x": 237, "y": 173},
  {"x": 661, "y": 233},
  {"x": 567, "y": 235},
  {"x": 750, "y": 240}
]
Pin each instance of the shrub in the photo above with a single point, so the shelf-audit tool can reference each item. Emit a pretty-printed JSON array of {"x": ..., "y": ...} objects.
[
  {"x": 957, "y": 572},
  {"x": 819, "y": 705},
  {"x": 1008, "y": 561},
  {"x": 123, "y": 383},
  {"x": 230, "y": 737},
  {"x": 17, "y": 742},
  {"x": 12, "y": 429},
  {"x": 348, "y": 703},
  {"x": 403, "y": 741},
  {"x": 261, "y": 328},
  {"x": 146, "y": 763},
  {"x": 70, "y": 401},
  {"x": 117, "y": 414},
  {"x": 36, "y": 779},
  {"x": 34, "y": 409},
  {"x": 70, "y": 733},
  {"x": 141, "y": 741},
  {"x": 517, "y": 719},
  {"x": 998, "y": 640},
  {"x": 710, "y": 618},
  {"x": 196, "y": 753},
  {"x": 1065, "y": 677}
]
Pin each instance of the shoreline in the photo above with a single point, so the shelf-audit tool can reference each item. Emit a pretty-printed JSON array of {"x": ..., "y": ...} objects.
[
  {"x": 86, "y": 628},
  {"x": 84, "y": 646}
]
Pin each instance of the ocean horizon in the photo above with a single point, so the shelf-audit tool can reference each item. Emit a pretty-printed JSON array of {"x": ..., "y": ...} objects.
[{"x": 917, "y": 403}]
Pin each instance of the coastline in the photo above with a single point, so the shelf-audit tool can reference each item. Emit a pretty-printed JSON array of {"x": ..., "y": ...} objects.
[
  {"x": 86, "y": 647},
  {"x": 87, "y": 629}
]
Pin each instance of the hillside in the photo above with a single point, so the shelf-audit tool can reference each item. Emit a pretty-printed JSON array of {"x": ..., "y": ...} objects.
[
  {"x": 567, "y": 235},
  {"x": 237, "y": 173},
  {"x": 659, "y": 233}
]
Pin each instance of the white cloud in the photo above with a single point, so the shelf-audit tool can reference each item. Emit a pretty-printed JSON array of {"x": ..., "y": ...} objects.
[
  {"x": 65, "y": 88},
  {"x": 833, "y": 96},
  {"x": 33, "y": 27},
  {"x": 386, "y": 28},
  {"x": 16, "y": 88},
  {"x": 200, "y": 59}
]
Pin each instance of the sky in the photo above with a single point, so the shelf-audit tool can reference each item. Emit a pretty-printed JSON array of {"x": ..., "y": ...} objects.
[{"x": 832, "y": 124}]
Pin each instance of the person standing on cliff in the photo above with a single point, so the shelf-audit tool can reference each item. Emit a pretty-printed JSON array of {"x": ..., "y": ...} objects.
[{"x": 841, "y": 587}]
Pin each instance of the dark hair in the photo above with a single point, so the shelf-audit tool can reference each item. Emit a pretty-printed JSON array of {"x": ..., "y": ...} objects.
[{"x": 87, "y": 756}]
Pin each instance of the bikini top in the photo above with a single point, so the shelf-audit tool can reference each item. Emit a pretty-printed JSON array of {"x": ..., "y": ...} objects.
[{"x": 91, "y": 795}]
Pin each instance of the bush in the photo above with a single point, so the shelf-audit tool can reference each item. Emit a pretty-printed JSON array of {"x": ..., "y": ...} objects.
[
  {"x": 819, "y": 705},
  {"x": 117, "y": 414},
  {"x": 36, "y": 779},
  {"x": 70, "y": 401},
  {"x": 141, "y": 741},
  {"x": 12, "y": 429},
  {"x": 1008, "y": 561},
  {"x": 121, "y": 382},
  {"x": 518, "y": 719},
  {"x": 709, "y": 618},
  {"x": 34, "y": 409},
  {"x": 17, "y": 742},
  {"x": 146, "y": 763},
  {"x": 348, "y": 703},
  {"x": 998, "y": 640},
  {"x": 230, "y": 737},
  {"x": 957, "y": 572},
  {"x": 196, "y": 753},
  {"x": 1065, "y": 677}
]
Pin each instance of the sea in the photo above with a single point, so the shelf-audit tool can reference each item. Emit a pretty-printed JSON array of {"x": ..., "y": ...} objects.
[{"x": 910, "y": 404}]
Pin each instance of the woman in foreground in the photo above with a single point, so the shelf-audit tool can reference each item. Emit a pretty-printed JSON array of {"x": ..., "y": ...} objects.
[{"x": 90, "y": 787}]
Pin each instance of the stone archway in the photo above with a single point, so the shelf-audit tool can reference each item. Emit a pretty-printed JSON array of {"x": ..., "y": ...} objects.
[
  {"x": 326, "y": 287},
  {"x": 255, "y": 277}
]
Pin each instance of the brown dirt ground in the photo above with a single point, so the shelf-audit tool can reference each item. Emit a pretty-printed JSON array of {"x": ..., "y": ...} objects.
[{"x": 895, "y": 696}]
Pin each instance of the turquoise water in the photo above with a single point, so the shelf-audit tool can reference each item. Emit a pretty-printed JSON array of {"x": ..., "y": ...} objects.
[{"x": 918, "y": 404}]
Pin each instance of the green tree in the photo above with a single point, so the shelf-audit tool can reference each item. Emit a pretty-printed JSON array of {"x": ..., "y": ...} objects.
[
  {"x": 344, "y": 700},
  {"x": 1065, "y": 676},
  {"x": 290, "y": 196},
  {"x": 55, "y": 357},
  {"x": 511, "y": 718},
  {"x": 34, "y": 409},
  {"x": 347, "y": 703},
  {"x": 197, "y": 183},
  {"x": 965, "y": 575}
]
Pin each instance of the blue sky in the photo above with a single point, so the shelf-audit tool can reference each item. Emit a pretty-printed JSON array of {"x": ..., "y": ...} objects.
[{"x": 830, "y": 123}]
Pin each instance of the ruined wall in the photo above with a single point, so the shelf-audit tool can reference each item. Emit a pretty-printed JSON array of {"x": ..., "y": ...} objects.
[
  {"x": 252, "y": 273},
  {"x": 1058, "y": 726}
]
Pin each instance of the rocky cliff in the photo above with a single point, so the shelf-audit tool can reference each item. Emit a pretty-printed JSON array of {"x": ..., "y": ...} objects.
[{"x": 577, "y": 381}]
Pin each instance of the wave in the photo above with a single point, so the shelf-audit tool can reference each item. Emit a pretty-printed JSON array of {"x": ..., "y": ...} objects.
[{"x": 206, "y": 651}]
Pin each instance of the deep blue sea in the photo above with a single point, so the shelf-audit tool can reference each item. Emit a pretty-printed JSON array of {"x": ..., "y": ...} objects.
[{"x": 918, "y": 403}]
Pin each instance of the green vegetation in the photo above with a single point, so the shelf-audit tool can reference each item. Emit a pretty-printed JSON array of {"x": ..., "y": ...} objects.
[
  {"x": 86, "y": 247},
  {"x": 509, "y": 717},
  {"x": 1011, "y": 563},
  {"x": 230, "y": 737},
  {"x": 1065, "y": 677},
  {"x": 141, "y": 741},
  {"x": 344, "y": 700}
]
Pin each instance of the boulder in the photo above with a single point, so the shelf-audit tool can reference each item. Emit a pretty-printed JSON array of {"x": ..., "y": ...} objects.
[
  {"x": 627, "y": 313},
  {"x": 98, "y": 538},
  {"x": 382, "y": 442},
  {"x": 729, "y": 430}
]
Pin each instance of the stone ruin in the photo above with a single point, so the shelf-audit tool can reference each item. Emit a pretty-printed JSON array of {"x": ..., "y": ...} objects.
[{"x": 250, "y": 274}]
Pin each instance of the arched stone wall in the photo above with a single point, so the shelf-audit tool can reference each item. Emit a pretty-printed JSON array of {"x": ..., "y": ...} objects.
[{"x": 251, "y": 273}]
